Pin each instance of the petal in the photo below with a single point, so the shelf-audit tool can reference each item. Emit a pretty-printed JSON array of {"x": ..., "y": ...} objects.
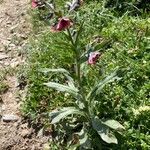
[{"x": 34, "y": 4}]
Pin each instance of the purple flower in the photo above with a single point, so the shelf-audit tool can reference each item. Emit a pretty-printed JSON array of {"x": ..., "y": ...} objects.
[
  {"x": 63, "y": 23},
  {"x": 93, "y": 57}
]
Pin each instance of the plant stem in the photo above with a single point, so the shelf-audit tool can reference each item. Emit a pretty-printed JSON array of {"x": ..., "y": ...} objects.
[
  {"x": 78, "y": 66},
  {"x": 78, "y": 72}
]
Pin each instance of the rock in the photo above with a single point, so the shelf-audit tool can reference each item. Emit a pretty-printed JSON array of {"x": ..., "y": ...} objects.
[
  {"x": 46, "y": 146},
  {"x": 10, "y": 117},
  {"x": 3, "y": 56}
]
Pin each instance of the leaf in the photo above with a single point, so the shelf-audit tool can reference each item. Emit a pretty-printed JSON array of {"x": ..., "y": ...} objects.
[
  {"x": 57, "y": 115},
  {"x": 103, "y": 131},
  {"x": 113, "y": 124},
  {"x": 60, "y": 70},
  {"x": 101, "y": 46},
  {"x": 83, "y": 137},
  {"x": 63, "y": 88},
  {"x": 70, "y": 81},
  {"x": 97, "y": 89},
  {"x": 83, "y": 141},
  {"x": 78, "y": 33},
  {"x": 113, "y": 76}
]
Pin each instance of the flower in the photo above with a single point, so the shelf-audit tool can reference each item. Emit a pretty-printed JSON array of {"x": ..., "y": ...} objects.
[
  {"x": 93, "y": 57},
  {"x": 63, "y": 23},
  {"x": 34, "y": 3}
]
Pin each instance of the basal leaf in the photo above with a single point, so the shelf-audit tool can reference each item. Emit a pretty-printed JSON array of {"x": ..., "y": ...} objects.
[
  {"x": 103, "y": 131},
  {"x": 63, "y": 88},
  {"x": 59, "y": 70},
  {"x": 113, "y": 124},
  {"x": 57, "y": 115}
]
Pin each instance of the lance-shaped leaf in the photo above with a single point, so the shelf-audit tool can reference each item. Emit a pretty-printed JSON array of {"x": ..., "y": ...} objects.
[
  {"x": 59, "y": 70},
  {"x": 70, "y": 80},
  {"x": 63, "y": 71},
  {"x": 97, "y": 89},
  {"x": 57, "y": 115},
  {"x": 79, "y": 33},
  {"x": 113, "y": 76},
  {"x": 63, "y": 88},
  {"x": 113, "y": 124},
  {"x": 103, "y": 131}
]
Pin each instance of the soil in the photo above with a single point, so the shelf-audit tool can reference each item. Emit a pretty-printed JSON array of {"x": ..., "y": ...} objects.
[{"x": 15, "y": 134}]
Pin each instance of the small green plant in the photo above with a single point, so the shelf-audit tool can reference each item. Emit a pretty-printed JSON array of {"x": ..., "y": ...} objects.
[{"x": 3, "y": 87}]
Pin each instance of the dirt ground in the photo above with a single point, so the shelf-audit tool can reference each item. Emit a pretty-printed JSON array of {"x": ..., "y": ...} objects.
[{"x": 15, "y": 28}]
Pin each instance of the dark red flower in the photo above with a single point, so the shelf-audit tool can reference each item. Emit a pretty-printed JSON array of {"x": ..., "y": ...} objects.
[
  {"x": 93, "y": 57},
  {"x": 63, "y": 23}
]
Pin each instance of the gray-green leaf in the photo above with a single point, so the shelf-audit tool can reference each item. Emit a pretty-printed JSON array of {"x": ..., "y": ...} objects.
[
  {"x": 57, "y": 115},
  {"x": 63, "y": 88},
  {"x": 103, "y": 131},
  {"x": 59, "y": 70},
  {"x": 113, "y": 124},
  {"x": 97, "y": 89}
]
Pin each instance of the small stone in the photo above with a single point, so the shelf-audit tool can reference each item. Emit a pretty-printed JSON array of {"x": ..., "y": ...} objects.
[
  {"x": 3, "y": 56},
  {"x": 46, "y": 146},
  {"x": 9, "y": 118}
]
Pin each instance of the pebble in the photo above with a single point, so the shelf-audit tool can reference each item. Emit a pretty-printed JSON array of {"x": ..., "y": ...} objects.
[
  {"x": 9, "y": 118},
  {"x": 3, "y": 56}
]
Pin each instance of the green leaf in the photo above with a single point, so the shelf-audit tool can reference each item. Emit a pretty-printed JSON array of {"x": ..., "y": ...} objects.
[
  {"x": 59, "y": 70},
  {"x": 101, "y": 46},
  {"x": 113, "y": 76},
  {"x": 63, "y": 88},
  {"x": 78, "y": 33},
  {"x": 83, "y": 141},
  {"x": 97, "y": 89},
  {"x": 113, "y": 124},
  {"x": 70, "y": 81},
  {"x": 57, "y": 115},
  {"x": 103, "y": 131},
  {"x": 83, "y": 137}
]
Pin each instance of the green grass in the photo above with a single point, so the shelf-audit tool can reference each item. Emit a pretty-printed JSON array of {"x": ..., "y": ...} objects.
[
  {"x": 3, "y": 87},
  {"x": 128, "y": 48}
]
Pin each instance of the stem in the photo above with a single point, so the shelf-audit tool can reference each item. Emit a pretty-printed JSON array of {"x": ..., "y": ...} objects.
[
  {"x": 78, "y": 72},
  {"x": 71, "y": 39},
  {"x": 78, "y": 66}
]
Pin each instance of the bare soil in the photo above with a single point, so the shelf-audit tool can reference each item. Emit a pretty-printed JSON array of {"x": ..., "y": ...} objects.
[{"x": 14, "y": 32}]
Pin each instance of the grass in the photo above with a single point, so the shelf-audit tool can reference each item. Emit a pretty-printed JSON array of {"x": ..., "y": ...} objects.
[
  {"x": 3, "y": 87},
  {"x": 127, "y": 46}
]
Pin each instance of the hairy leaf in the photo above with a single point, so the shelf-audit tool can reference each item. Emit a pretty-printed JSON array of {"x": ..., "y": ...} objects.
[
  {"x": 63, "y": 88},
  {"x": 60, "y": 70},
  {"x": 97, "y": 89},
  {"x": 103, "y": 131},
  {"x": 113, "y": 124},
  {"x": 57, "y": 115}
]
